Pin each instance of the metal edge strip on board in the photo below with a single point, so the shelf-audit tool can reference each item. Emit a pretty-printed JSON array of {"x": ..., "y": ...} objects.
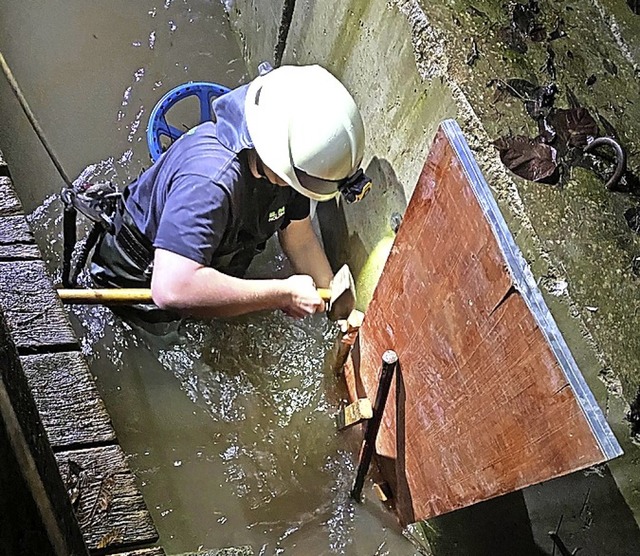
[{"x": 526, "y": 285}]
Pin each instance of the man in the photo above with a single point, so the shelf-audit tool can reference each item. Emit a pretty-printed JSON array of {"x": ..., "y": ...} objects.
[{"x": 191, "y": 224}]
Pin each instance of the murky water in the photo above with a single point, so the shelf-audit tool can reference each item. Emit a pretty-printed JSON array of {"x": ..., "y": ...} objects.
[{"x": 229, "y": 426}]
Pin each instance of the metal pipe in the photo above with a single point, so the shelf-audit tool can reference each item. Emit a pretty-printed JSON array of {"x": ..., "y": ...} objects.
[
  {"x": 283, "y": 31},
  {"x": 389, "y": 364}
]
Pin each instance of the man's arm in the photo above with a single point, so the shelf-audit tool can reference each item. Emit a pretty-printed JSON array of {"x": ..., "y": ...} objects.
[
  {"x": 302, "y": 247},
  {"x": 182, "y": 285}
]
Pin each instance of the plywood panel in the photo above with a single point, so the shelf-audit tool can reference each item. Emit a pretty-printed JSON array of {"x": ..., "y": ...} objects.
[{"x": 488, "y": 398}]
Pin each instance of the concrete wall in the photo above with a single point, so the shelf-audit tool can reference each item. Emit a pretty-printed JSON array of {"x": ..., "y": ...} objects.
[
  {"x": 406, "y": 63},
  {"x": 400, "y": 109},
  {"x": 256, "y": 24}
]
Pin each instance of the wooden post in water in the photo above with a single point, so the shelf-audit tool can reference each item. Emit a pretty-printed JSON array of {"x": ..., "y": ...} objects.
[{"x": 349, "y": 328}]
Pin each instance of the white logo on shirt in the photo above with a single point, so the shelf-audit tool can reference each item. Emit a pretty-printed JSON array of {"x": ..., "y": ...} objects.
[{"x": 276, "y": 214}]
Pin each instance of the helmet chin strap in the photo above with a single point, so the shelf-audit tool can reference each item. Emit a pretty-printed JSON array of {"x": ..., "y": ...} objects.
[{"x": 355, "y": 188}]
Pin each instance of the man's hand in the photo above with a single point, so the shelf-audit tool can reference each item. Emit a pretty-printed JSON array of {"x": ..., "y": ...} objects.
[{"x": 304, "y": 298}]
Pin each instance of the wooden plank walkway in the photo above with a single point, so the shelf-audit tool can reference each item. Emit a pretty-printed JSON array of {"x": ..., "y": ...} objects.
[
  {"x": 487, "y": 398},
  {"x": 100, "y": 487}
]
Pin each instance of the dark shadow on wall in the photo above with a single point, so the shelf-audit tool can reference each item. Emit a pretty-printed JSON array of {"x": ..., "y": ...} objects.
[
  {"x": 370, "y": 219},
  {"x": 585, "y": 508},
  {"x": 593, "y": 515},
  {"x": 496, "y": 527}
]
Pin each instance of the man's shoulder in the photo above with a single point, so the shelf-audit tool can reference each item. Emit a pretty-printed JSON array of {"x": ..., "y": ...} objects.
[{"x": 201, "y": 153}]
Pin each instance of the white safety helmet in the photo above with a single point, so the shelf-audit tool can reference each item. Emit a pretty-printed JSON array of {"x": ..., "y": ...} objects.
[{"x": 307, "y": 128}]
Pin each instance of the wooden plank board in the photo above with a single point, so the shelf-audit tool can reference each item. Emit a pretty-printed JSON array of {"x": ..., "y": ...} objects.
[
  {"x": 9, "y": 202},
  {"x": 155, "y": 551},
  {"x": 33, "y": 311},
  {"x": 101, "y": 488},
  {"x": 16, "y": 239},
  {"x": 488, "y": 398},
  {"x": 108, "y": 505},
  {"x": 67, "y": 399}
]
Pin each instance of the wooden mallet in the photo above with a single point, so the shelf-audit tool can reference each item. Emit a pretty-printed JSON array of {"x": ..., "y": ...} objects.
[{"x": 340, "y": 297}]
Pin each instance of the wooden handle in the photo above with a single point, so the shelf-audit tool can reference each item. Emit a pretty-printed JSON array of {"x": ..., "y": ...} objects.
[
  {"x": 112, "y": 296},
  {"x": 106, "y": 296}
]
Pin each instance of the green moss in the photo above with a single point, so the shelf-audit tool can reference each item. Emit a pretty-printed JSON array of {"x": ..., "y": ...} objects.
[{"x": 348, "y": 35}]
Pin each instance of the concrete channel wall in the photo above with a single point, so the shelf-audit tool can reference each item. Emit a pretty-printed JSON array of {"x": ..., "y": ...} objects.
[{"x": 411, "y": 64}]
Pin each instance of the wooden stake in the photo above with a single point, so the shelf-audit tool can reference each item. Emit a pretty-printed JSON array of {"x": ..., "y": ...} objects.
[
  {"x": 354, "y": 413},
  {"x": 349, "y": 329},
  {"x": 383, "y": 492}
]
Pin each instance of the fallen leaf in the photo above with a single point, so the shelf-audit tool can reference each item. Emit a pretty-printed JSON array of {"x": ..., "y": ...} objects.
[
  {"x": 112, "y": 537},
  {"x": 104, "y": 495},
  {"x": 524, "y": 89},
  {"x": 573, "y": 126},
  {"x": 528, "y": 159}
]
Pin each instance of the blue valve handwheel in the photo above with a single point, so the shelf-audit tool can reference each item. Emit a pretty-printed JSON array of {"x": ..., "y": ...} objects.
[{"x": 158, "y": 126}]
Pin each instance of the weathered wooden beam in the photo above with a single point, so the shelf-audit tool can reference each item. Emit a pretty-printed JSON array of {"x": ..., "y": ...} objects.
[
  {"x": 107, "y": 502},
  {"x": 18, "y": 413},
  {"x": 97, "y": 483},
  {"x": 16, "y": 239},
  {"x": 9, "y": 203},
  {"x": 155, "y": 551},
  {"x": 69, "y": 403},
  {"x": 34, "y": 314}
]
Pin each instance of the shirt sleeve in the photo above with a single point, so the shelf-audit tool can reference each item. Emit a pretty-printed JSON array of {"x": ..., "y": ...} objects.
[
  {"x": 298, "y": 208},
  {"x": 194, "y": 218}
]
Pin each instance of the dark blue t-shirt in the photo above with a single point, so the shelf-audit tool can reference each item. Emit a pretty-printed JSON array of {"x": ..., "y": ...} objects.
[{"x": 200, "y": 200}]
